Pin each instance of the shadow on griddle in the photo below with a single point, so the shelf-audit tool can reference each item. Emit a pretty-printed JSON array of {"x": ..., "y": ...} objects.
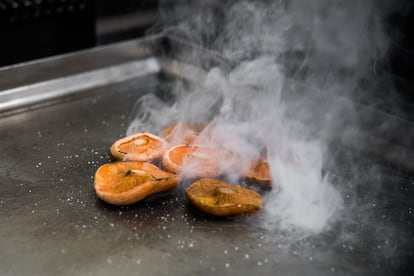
[
  {"x": 198, "y": 216},
  {"x": 153, "y": 200}
]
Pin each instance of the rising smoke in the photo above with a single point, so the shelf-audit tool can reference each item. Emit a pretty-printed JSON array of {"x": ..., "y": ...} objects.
[{"x": 294, "y": 68}]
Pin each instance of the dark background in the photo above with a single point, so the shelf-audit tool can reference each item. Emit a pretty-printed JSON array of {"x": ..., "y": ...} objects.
[{"x": 32, "y": 29}]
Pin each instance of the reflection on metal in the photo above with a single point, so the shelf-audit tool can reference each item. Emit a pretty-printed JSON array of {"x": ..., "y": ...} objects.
[
  {"x": 34, "y": 93},
  {"x": 182, "y": 70}
]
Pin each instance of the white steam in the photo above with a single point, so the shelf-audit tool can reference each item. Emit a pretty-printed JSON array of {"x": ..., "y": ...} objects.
[{"x": 292, "y": 60}]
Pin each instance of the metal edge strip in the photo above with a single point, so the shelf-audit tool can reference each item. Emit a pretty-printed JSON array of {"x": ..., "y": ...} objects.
[{"x": 51, "y": 89}]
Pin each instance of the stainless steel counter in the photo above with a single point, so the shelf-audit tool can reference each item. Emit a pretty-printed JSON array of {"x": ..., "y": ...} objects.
[{"x": 53, "y": 224}]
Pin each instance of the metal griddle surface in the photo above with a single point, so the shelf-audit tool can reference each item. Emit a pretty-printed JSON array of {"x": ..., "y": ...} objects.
[{"x": 53, "y": 224}]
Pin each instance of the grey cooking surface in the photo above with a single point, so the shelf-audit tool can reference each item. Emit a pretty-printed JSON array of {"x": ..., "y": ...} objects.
[{"x": 52, "y": 223}]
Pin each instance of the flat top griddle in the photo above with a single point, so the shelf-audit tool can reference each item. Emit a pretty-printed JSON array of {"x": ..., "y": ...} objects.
[{"x": 52, "y": 223}]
